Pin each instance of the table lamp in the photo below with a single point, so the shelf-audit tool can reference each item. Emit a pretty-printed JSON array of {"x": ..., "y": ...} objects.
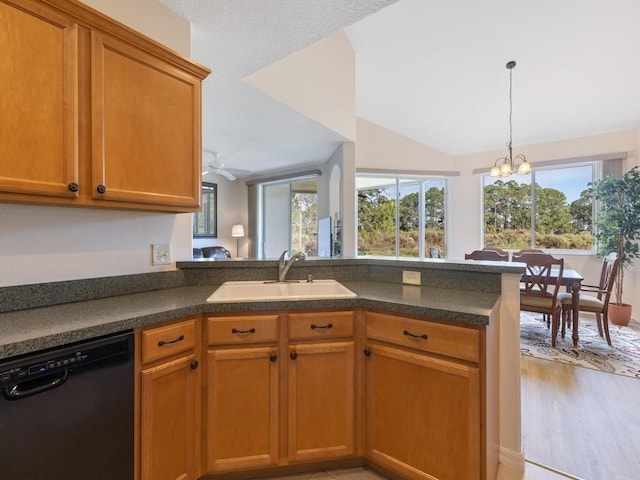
[{"x": 237, "y": 231}]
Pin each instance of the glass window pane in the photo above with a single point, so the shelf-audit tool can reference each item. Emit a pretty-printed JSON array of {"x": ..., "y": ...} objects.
[
  {"x": 507, "y": 212},
  {"x": 409, "y": 219},
  {"x": 376, "y": 216},
  {"x": 434, "y": 218},
  {"x": 563, "y": 212}
]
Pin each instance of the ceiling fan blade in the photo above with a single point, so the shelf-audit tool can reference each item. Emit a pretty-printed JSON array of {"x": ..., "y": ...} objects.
[{"x": 226, "y": 174}]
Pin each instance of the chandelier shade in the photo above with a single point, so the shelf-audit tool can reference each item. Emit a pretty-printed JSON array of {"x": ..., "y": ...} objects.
[{"x": 505, "y": 166}]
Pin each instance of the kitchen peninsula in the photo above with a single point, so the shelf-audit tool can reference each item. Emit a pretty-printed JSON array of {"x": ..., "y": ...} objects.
[{"x": 460, "y": 304}]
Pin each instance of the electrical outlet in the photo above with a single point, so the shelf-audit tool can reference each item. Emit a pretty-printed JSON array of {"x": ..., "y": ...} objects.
[
  {"x": 160, "y": 254},
  {"x": 410, "y": 278}
]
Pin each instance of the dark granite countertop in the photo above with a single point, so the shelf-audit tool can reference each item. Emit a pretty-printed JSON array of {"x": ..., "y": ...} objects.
[{"x": 33, "y": 329}]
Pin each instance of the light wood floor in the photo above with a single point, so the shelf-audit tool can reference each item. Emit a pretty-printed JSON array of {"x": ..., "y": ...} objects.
[{"x": 581, "y": 421}]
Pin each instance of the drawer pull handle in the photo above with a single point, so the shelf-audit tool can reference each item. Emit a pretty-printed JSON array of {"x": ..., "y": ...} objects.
[
  {"x": 161, "y": 343},
  {"x": 424, "y": 336},
  {"x": 328, "y": 325},
  {"x": 236, "y": 331}
]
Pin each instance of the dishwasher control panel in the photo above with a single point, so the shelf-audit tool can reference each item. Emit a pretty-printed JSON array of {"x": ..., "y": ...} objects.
[
  {"x": 24, "y": 372},
  {"x": 70, "y": 357}
]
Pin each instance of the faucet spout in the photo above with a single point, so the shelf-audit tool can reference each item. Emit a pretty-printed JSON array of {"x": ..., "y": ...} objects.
[{"x": 284, "y": 266}]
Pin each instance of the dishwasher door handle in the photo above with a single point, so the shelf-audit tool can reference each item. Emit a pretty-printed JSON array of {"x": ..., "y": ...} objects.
[{"x": 14, "y": 392}]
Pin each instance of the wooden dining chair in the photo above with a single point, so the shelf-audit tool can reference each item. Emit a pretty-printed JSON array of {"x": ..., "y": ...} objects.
[
  {"x": 483, "y": 254},
  {"x": 526, "y": 250},
  {"x": 594, "y": 298},
  {"x": 540, "y": 287},
  {"x": 499, "y": 250}
]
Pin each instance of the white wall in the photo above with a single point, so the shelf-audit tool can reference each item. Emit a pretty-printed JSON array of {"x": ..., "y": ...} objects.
[
  {"x": 232, "y": 209},
  {"x": 44, "y": 244},
  {"x": 317, "y": 81}
]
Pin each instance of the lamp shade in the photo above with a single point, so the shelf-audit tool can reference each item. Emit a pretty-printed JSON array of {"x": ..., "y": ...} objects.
[{"x": 237, "y": 230}]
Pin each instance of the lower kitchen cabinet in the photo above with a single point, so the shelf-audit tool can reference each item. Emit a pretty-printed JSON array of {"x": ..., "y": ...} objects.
[
  {"x": 242, "y": 408},
  {"x": 169, "y": 411},
  {"x": 321, "y": 401},
  {"x": 242, "y": 401},
  {"x": 431, "y": 412},
  {"x": 422, "y": 415}
]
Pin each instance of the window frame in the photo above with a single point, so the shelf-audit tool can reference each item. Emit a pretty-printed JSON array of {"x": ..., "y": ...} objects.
[
  {"x": 209, "y": 212},
  {"x": 405, "y": 180},
  {"x": 597, "y": 168}
]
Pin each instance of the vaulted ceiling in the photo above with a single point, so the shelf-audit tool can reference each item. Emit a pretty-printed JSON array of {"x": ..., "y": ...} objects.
[{"x": 431, "y": 70}]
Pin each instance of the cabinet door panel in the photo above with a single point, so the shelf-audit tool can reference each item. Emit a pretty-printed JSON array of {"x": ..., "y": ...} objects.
[
  {"x": 39, "y": 119},
  {"x": 321, "y": 401},
  {"x": 146, "y": 127},
  {"x": 168, "y": 421},
  {"x": 242, "y": 408},
  {"x": 423, "y": 415}
]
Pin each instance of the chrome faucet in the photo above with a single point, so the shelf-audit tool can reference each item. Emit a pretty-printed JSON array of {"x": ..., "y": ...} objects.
[{"x": 284, "y": 266}]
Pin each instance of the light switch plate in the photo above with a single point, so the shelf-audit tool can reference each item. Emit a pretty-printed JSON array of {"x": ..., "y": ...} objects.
[
  {"x": 410, "y": 278},
  {"x": 160, "y": 253}
]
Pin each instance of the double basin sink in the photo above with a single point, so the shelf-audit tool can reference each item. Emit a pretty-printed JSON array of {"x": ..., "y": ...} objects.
[{"x": 264, "y": 291}]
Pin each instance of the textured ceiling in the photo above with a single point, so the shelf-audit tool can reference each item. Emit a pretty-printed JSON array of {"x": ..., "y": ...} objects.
[
  {"x": 237, "y": 37},
  {"x": 431, "y": 70}
]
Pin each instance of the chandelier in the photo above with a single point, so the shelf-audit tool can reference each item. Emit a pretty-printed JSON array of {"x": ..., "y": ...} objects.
[{"x": 504, "y": 166}]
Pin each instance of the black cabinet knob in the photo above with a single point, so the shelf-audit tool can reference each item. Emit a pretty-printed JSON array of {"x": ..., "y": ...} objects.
[
  {"x": 367, "y": 352},
  {"x": 73, "y": 187},
  {"x": 293, "y": 355},
  {"x": 194, "y": 365},
  {"x": 273, "y": 358},
  {"x": 101, "y": 189}
]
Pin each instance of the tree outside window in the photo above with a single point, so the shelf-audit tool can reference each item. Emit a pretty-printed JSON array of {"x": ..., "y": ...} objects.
[
  {"x": 548, "y": 209},
  {"x": 400, "y": 217}
]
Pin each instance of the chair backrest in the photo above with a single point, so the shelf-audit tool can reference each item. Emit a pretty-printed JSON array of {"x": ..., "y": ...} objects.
[
  {"x": 483, "y": 254},
  {"x": 496, "y": 249},
  {"x": 543, "y": 275},
  {"x": 215, "y": 252},
  {"x": 610, "y": 265},
  {"x": 526, "y": 250},
  {"x": 434, "y": 252}
]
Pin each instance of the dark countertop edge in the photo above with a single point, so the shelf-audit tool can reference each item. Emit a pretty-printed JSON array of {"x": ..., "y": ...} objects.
[
  {"x": 94, "y": 318},
  {"x": 433, "y": 263}
]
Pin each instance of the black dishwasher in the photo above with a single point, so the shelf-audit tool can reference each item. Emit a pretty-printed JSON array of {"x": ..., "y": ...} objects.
[{"x": 67, "y": 413}]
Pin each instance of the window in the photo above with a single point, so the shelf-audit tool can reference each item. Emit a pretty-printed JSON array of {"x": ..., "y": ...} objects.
[
  {"x": 205, "y": 223},
  {"x": 289, "y": 217},
  {"x": 547, "y": 209},
  {"x": 401, "y": 216}
]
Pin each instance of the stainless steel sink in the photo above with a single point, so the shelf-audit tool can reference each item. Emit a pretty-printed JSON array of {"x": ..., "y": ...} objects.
[{"x": 256, "y": 290}]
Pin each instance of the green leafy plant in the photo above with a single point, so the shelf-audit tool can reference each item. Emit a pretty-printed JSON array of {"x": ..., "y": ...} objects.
[{"x": 617, "y": 226}]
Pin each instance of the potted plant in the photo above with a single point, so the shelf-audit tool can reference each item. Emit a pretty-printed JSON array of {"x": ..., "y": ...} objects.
[{"x": 617, "y": 228}]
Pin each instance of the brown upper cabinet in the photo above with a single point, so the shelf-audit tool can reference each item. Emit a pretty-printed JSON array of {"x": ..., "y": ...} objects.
[{"x": 95, "y": 114}]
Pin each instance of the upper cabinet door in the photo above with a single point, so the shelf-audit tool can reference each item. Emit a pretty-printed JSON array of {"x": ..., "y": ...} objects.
[
  {"x": 38, "y": 101},
  {"x": 146, "y": 127}
]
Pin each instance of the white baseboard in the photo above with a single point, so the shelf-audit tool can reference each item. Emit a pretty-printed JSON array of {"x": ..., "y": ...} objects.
[{"x": 512, "y": 459}]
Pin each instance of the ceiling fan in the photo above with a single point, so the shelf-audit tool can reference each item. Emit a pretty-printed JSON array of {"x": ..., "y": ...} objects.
[{"x": 216, "y": 167}]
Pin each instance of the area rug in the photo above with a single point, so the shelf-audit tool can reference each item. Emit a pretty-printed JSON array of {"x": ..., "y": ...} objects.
[{"x": 622, "y": 358}]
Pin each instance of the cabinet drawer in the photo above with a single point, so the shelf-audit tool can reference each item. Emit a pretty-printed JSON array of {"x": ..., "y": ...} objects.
[
  {"x": 450, "y": 340},
  {"x": 243, "y": 329},
  {"x": 320, "y": 325},
  {"x": 165, "y": 341}
]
